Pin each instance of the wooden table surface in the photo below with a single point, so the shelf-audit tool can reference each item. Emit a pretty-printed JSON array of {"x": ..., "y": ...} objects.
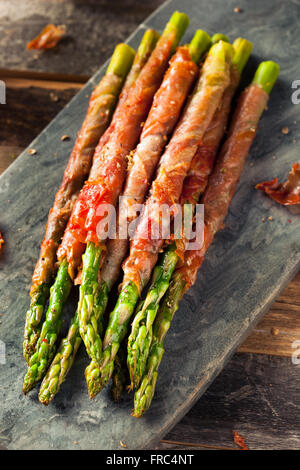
[{"x": 257, "y": 394}]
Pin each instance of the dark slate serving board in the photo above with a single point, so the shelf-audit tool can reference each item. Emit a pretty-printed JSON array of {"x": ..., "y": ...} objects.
[{"x": 247, "y": 266}]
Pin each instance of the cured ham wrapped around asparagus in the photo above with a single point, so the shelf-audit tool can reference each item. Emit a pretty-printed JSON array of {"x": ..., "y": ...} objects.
[
  {"x": 166, "y": 189},
  {"x": 175, "y": 163},
  {"x": 145, "y": 49},
  {"x": 194, "y": 185},
  {"x": 159, "y": 125},
  {"x": 103, "y": 187},
  {"x": 101, "y": 105},
  {"x": 230, "y": 163},
  {"x": 160, "y": 122},
  {"x": 220, "y": 190},
  {"x": 108, "y": 175}
]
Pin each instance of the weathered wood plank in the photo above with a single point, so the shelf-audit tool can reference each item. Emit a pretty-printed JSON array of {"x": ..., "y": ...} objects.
[
  {"x": 31, "y": 105},
  {"x": 278, "y": 330},
  {"x": 179, "y": 445},
  {"x": 256, "y": 395},
  {"x": 94, "y": 27},
  {"x": 8, "y": 153}
]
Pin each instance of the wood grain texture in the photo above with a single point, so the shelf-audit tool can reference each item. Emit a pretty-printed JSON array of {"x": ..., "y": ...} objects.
[
  {"x": 256, "y": 395},
  {"x": 93, "y": 29},
  {"x": 31, "y": 105}
]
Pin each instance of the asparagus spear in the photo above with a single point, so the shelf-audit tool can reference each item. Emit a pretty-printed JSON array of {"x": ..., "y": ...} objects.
[
  {"x": 151, "y": 144},
  {"x": 219, "y": 37},
  {"x": 91, "y": 261},
  {"x": 213, "y": 81},
  {"x": 232, "y": 157},
  {"x": 64, "y": 359},
  {"x": 119, "y": 66},
  {"x": 50, "y": 329},
  {"x": 66, "y": 354},
  {"x": 140, "y": 337},
  {"x": 101, "y": 105},
  {"x": 175, "y": 87}
]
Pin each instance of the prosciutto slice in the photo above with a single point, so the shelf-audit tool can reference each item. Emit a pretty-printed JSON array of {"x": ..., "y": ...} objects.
[
  {"x": 226, "y": 174},
  {"x": 109, "y": 167},
  {"x": 162, "y": 118},
  {"x": 77, "y": 170},
  {"x": 173, "y": 168},
  {"x": 287, "y": 193}
]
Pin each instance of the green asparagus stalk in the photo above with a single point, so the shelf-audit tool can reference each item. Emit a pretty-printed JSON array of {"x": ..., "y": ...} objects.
[
  {"x": 39, "y": 297},
  {"x": 140, "y": 337},
  {"x": 46, "y": 343},
  {"x": 141, "y": 330},
  {"x": 119, "y": 66},
  {"x": 143, "y": 396},
  {"x": 120, "y": 375},
  {"x": 97, "y": 377},
  {"x": 39, "y": 361},
  {"x": 199, "y": 44},
  {"x": 65, "y": 356},
  {"x": 88, "y": 290},
  {"x": 61, "y": 364},
  {"x": 219, "y": 37},
  {"x": 265, "y": 77},
  {"x": 163, "y": 271}
]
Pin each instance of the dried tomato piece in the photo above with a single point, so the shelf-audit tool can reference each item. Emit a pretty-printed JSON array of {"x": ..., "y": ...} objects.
[{"x": 48, "y": 38}]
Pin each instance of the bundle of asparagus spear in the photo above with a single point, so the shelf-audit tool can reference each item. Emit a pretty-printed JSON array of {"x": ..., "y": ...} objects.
[{"x": 155, "y": 132}]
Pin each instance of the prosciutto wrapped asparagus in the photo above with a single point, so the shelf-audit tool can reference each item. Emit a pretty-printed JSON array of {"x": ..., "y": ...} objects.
[
  {"x": 160, "y": 123},
  {"x": 101, "y": 105},
  {"x": 146, "y": 47},
  {"x": 65, "y": 356},
  {"x": 166, "y": 189},
  {"x": 175, "y": 87},
  {"x": 103, "y": 187},
  {"x": 220, "y": 190},
  {"x": 194, "y": 186},
  {"x": 87, "y": 219}
]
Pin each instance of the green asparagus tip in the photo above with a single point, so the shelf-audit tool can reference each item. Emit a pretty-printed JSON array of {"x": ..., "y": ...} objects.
[
  {"x": 222, "y": 49},
  {"x": 148, "y": 41},
  {"x": 266, "y": 75},
  {"x": 242, "y": 50},
  {"x": 121, "y": 60},
  {"x": 178, "y": 22},
  {"x": 219, "y": 37},
  {"x": 200, "y": 43}
]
